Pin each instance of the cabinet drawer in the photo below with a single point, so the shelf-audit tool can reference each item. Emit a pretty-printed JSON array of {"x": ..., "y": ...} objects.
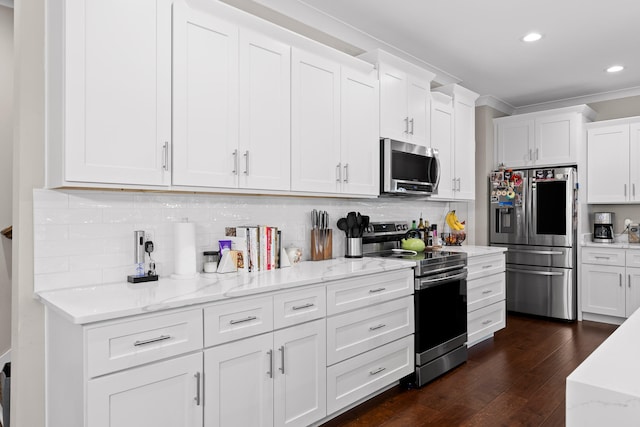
[
  {"x": 125, "y": 344},
  {"x": 481, "y": 266},
  {"x": 299, "y": 306},
  {"x": 356, "y": 378},
  {"x": 485, "y": 291},
  {"x": 236, "y": 320},
  {"x": 350, "y": 294},
  {"x": 603, "y": 256},
  {"x": 633, "y": 258},
  {"x": 485, "y": 321},
  {"x": 358, "y": 331}
]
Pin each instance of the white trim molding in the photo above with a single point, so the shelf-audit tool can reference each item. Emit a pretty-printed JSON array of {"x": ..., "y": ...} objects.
[
  {"x": 496, "y": 104},
  {"x": 587, "y": 99}
]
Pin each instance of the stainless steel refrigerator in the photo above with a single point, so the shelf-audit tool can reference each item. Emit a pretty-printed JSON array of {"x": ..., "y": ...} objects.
[{"x": 533, "y": 214}]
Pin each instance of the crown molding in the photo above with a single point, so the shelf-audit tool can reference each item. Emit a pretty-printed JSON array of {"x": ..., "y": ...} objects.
[
  {"x": 496, "y": 104},
  {"x": 586, "y": 99}
]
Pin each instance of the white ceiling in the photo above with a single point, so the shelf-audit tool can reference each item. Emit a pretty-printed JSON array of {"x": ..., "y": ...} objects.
[{"x": 478, "y": 42}]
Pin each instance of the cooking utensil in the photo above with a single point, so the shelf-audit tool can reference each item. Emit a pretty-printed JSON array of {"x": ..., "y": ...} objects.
[{"x": 352, "y": 222}]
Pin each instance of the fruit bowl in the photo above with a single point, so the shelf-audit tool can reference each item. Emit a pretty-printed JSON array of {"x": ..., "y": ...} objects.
[{"x": 455, "y": 238}]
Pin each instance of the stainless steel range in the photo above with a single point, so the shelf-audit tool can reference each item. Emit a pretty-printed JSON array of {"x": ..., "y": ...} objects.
[{"x": 440, "y": 300}]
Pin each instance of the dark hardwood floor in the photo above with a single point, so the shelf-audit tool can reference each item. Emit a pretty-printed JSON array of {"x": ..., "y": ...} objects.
[{"x": 515, "y": 379}]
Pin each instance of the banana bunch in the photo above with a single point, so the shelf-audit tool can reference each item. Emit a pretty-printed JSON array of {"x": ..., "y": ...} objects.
[{"x": 452, "y": 221}]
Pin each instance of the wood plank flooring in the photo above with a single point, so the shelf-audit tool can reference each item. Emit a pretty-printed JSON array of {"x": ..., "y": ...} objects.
[{"x": 515, "y": 379}]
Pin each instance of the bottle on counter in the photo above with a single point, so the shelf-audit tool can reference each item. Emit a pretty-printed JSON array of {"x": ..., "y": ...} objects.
[{"x": 413, "y": 224}]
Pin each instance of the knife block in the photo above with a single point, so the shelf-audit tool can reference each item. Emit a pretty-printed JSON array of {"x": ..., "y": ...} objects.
[{"x": 321, "y": 244}]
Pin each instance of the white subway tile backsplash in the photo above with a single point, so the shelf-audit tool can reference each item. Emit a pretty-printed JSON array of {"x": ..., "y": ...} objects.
[{"x": 86, "y": 237}]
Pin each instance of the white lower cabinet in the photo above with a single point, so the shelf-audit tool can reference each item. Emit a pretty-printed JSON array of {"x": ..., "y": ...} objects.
[
  {"x": 486, "y": 297},
  {"x": 610, "y": 280},
  {"x": 272, "y": 379},
  {"x": 167, "y": 393}
]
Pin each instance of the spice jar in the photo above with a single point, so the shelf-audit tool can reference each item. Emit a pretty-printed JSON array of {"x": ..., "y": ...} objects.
[{"x": 210, "y": 261}]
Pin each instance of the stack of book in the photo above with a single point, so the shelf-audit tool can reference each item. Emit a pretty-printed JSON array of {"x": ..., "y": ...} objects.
[{"x": 258, "y": 246}]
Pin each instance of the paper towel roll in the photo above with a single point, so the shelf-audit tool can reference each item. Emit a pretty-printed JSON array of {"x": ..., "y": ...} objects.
[{"x": 184, "y": 250}]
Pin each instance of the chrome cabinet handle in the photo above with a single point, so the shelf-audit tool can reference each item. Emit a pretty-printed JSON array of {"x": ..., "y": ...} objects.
[
  {"x": 486, "y": 322},
  {"x": 458, "y": 183},
  {"x": 338, "y": 178},
  {"x": 235, "y": 162},
  {"x": 406, "y": 125},
  {"x": 487, "y": 266},
  {"x": 453, "y": 185},
  {"x": 625, "y": 190},
  {"x": 246, "y": 319},
  {"x": 270, "y": 371},
  {"x": 629, "y": 282},
  {"x": 373, "y": 291},
  {"x": 486, "y": 292},
  {"x": 282, "y": 365},
  {"x": 197, "y": 398},
  {"x": 537, "y": 150},
  {"x": 246, "y": 162},
  {"x": 377, "y": 371},
  {"x": 165, "y": 156},
  {"x": 620, "y": 276},
  {"x": 411, "y": 121},
  {"x": 530, "y": 155},
  {"x": 380, "y": 326},
  {"x": 346, "y": 172},
  {"x": 300, "y": 307},
  {"x": 152, "y": 340}
]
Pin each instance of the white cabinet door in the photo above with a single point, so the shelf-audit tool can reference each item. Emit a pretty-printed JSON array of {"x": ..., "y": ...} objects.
[
  {"x": 515, "y": 141},
  {"x": 239, "y": 385},
  {"x": 394, "y": 120},
  {"x": 117, "y": 91},
  {"x": 300, "y": 374},
  {"x": 556, "y": 140},
  {"x": 464, "y": 158},
  {"x": 418, "y": 100},
  {"x": 633, "y": 290},
  {"x": 634, "y": 162},
  {"x": 442, "y": 139},
  {"x": 165, "y": 393},
  {"x": 205, "y": 99},
  {"x": 315, "y": 123},
  {"x": 360, "y": 150},
  {"x": 608, "y": 164},
  {"x": 265, "y": 113},
  {"x": 603, "y": 289}
]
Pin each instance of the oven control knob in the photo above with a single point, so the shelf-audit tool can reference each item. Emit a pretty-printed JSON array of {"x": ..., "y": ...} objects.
[{"x": 369, "y": 229}]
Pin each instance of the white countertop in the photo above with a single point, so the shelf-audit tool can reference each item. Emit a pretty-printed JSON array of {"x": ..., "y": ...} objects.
[
  {"x": 605, "y": 388},
  {"x": 472, "y": 250},
  {"x": 88, "y": 304}
]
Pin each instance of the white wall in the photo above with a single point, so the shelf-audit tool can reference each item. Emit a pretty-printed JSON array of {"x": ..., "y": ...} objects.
[
  {"x": 6, "y": 150},
  {"x": 27, "y": 321}
]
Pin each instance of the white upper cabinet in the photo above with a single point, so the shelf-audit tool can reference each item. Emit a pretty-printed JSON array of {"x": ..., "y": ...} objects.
[
  {"x": 334, "y": 134},
  {"x": 315, "y": 123},
  {"x": 205, "y": 99},
  {"x": 457, "y": 158},
  {"x": 360, "y": 155},
  {"x": 442, "y": 140},
  {"x": 109, "y": 93},
  {"x": 613, "y": 158},
  {"x": 546, "y": 138},
  {"x": 404, "y": 98}
]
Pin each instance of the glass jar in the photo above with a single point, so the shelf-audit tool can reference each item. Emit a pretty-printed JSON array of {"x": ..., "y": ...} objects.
[{"x": 210, "y": 261}]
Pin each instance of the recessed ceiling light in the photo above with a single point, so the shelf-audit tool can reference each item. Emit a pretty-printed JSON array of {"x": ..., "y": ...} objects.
[
  {"x": 615, "y": 68},
  {"x": 532, "y": 37}
]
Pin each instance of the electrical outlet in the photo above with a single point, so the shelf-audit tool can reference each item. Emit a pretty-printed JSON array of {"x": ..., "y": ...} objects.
[
  {"x": 627, "y": 222},
  {"x": 148, "y": 235}
]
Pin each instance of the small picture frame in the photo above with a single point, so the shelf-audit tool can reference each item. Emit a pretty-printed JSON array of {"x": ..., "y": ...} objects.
[{"x": 496, "y": 176}]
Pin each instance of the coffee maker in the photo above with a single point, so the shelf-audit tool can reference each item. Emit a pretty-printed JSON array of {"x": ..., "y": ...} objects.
[{"x": 603, "y": 227}]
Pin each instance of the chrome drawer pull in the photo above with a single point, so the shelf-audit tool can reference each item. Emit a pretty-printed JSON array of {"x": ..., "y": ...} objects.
[
  {"x": 270, "y": 371},
  {"x": 381, "y": 325},
  {"x": 248, "y": 319},
  {"x": 377, "y": 371},
  {"x": 282, "y": 365},
  {"x": 486, "y": 322},
  {"x": 373, "y": 291},
  {"x": 601, "y": 257},
  {"x": 152, "y": 340},
  {"x": 486, "y": 292},
  {"x": 197, "y": 398},
  {"x": 300, "y": 307},
  {"x": 487, "y": 266}
]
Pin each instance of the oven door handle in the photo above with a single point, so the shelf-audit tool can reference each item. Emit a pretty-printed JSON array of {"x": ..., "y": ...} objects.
[
  {"x": 429, "y": 283},
  {"x": 537, "y": 273}
]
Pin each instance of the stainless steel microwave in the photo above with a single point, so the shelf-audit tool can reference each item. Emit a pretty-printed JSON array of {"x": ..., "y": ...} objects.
[{"x": 408, "y": 169}]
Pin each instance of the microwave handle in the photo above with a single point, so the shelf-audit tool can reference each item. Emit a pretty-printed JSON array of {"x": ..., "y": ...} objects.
[{"x": 439, "y": 172}]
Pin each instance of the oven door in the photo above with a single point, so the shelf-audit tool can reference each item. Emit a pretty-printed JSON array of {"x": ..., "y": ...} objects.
[{"x": 441, "y": 314}]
